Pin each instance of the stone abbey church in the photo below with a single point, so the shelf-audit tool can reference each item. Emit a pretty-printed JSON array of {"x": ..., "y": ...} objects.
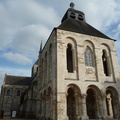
[{"x": 76, "y": 77}]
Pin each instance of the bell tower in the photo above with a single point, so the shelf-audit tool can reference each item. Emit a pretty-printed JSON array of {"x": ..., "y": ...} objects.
[{"x": 74, "y": 14}]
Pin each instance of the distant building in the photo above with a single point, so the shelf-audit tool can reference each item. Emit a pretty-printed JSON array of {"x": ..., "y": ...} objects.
[
  {"x": 76, "y": 76},
  {"x": 11, "y": 92}
]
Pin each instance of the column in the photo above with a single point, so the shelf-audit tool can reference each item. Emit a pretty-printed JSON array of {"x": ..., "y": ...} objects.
[
  {"x": 50, "y": 105},
  {"x": 38, "y": 108},
  {"x": 47, "y": 105},
  {"x": 115, "y": 106},
  {"x": 100, "y": 107},
  {"x": 97, "y": 106},
  {"x": 104, "y": 106},
  {"x": 84, "y": 110},
  {"x": 54, "y": 106},
  {"x": 42, "y": 105},
  {"x": 77, "y": 106},
  {"x": 61, "y": 106}
]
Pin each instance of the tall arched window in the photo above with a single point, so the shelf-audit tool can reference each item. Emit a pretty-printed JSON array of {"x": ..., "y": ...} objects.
[
  {"x": 50, "y": 53},
  {"x": 42, "y": 71},
  {"x": 50, "y": 62},
  {"x": 69, "y": 58},
  {"x": 105, "y": 63},
  {"x": 8, "y": 92},
  {"x": 88, "y": 54},
  {"x": 18, "y": 93},
  {"x": 45, "y": 65}
]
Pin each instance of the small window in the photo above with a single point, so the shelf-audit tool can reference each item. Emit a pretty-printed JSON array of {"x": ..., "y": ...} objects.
[
  {"x": 8, "y": 92},
  {"x": 80, "y": 17},
  {"x": 37, "y": 69},
  {"x": 88, "y": 54},
  {"x": 72, "y": 15},
  {"x": 18, "y": 92}
]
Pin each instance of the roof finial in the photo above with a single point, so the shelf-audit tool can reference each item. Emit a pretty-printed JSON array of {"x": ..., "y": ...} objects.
[{"x": 72, "y": 5}]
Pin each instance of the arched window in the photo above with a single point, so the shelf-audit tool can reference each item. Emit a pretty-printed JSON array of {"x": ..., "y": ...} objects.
[
  {"x": 50, "y": 53},
  {"x": 8, "y": 92},
  {"x": 45, "y": 65},
  {"x": 18, "y": 93},
  {"x": 50, "y": 62},
  {"x": 105, "y": 63},
  {"x": 80, "y": 17},
  {"x": 42, "y": 71},
  {"x": 72, "y": 15},
  {"x": 88, "y": 54},
  {"x": 69, "y": 58}
]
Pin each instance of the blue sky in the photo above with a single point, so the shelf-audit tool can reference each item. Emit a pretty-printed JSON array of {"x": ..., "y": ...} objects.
[{"x": 24, "y": 23}]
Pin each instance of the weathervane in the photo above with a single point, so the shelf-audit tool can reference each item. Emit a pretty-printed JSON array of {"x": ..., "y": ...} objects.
[{"x": 72, "y": 5}]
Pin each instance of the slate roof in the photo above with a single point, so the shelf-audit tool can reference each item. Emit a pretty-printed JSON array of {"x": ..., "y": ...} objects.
[
  {"x": 82, "y": 27},
  {"x": 17, "y": 80}
]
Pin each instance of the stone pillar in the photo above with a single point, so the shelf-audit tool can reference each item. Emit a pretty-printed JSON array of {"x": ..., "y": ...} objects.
[
  {"x": 50, "y": 106},
  {"x": 77, "y": 106},
  {"x": 47, "y": 105},
  {"x": 97, "y": 106},
  {"x": 84, "y": 110},
  {"x": 61, "y": 106},
  {"x": 54, "y": 106},
  {"x": 105, "y": 116},
  {"x": 42, "y": 107},
  {"x": 38, "y": 108},
  {"x": 100, "y": 107},
  {"x": 116, "y": 106}
]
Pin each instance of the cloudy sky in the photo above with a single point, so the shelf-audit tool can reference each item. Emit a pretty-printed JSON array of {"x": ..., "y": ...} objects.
[{"x": 24, "y": 23}]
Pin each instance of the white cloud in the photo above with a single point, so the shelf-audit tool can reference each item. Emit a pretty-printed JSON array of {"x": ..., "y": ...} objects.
[
  {"x": 27, "y": 39},
  {"x": 100, "y": 13},
  {"x": 17, "y": 14},
  {"x": 17, "y": 58}
]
